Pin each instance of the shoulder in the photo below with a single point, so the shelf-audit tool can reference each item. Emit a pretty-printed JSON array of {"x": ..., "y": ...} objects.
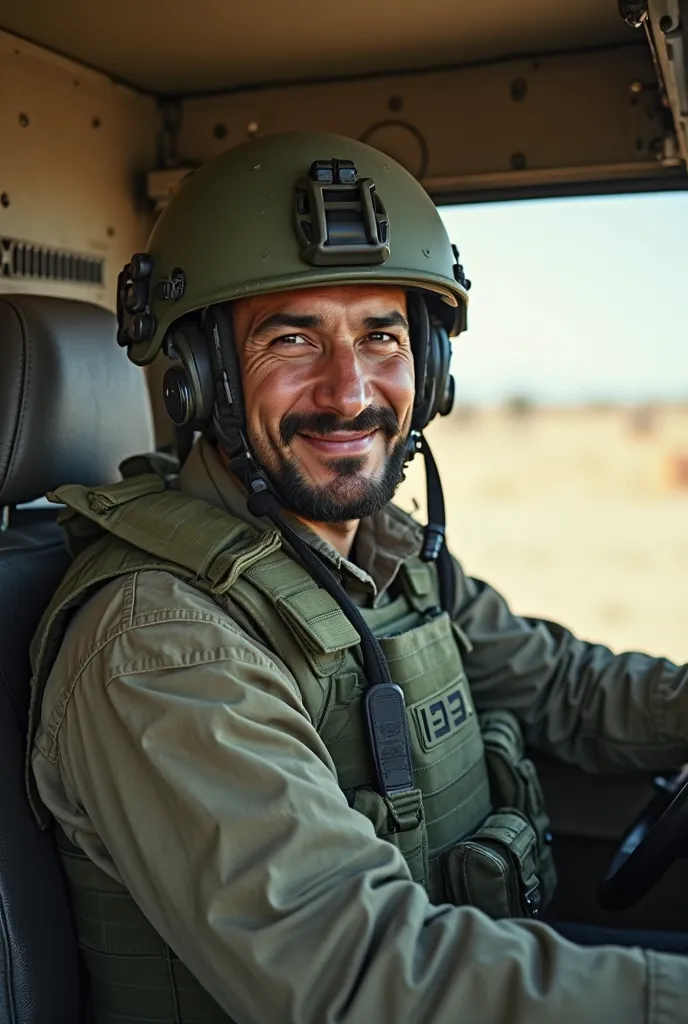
[
  {"x": 146, "y": 665},
  {"x": 148, "y": 605},
  {"x": 152, "y": 622}
]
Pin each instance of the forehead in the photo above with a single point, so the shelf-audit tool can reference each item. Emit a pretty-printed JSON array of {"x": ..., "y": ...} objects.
[{"x": 332, "y": 302}]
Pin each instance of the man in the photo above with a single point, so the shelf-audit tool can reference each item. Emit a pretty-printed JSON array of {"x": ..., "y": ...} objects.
[{"x": 280, "y": 729}]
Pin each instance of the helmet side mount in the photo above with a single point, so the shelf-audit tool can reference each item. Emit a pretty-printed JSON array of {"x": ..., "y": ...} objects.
[{"x": 135, "y": 321}]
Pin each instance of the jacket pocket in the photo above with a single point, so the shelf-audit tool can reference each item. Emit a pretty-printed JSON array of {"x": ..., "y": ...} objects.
[{"x": 494, "y": 869}]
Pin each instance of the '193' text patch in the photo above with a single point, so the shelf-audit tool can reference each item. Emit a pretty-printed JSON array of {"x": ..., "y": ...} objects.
[{"x": 440, "y": 716}]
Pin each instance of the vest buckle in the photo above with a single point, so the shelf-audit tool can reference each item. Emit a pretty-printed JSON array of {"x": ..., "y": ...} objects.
[{"x": 406, "y": 809}]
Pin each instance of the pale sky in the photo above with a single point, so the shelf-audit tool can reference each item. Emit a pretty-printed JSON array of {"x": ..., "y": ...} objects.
[{"x": 574, "y": 299}]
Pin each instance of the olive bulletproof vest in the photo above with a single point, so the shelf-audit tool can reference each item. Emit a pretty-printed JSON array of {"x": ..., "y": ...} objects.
[{"x": 474, "y": 828}]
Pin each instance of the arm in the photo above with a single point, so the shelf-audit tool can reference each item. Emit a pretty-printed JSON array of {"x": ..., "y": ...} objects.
[
  {"x": 184, "y": 747},
  {"x": 576, "y": 700}
]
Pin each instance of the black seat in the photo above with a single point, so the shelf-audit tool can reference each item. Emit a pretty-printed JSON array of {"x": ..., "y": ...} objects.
[{"x": 71, "y": 408}]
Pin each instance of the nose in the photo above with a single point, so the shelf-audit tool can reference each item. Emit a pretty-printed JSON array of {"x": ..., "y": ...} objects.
[{"x": 343, "y": 386}]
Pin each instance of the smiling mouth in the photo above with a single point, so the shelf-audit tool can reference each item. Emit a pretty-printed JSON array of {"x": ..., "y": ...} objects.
[{"x": 341, "y": 443}]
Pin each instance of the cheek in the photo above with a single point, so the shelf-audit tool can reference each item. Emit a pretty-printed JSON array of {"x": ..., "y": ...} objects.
[
  {"x": 269, "y": 393},
  {"x": 397, "y": 386}
]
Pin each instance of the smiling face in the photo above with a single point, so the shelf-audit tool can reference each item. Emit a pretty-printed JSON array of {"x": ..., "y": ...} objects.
[{"x": 328, "y": 383}]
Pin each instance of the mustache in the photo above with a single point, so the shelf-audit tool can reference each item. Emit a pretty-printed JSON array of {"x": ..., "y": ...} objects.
[{"x": 375, "y": 417}]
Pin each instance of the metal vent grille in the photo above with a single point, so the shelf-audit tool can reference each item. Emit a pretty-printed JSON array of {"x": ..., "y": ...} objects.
[{"x": 22, "y": 259}]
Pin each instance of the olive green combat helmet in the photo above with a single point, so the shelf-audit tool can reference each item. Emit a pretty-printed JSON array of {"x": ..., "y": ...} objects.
[{"x": 288, "y": 211}]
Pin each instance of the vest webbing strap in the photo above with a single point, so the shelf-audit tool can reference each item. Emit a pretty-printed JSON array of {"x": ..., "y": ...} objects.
[{"x": 406, "y": 808}]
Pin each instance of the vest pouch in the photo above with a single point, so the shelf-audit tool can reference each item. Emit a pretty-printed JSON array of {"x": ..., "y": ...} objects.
[
  {"x": 514, "y": 783},
  {"x": 398, "y": 820},
  {"x": 495, "y": 868}
]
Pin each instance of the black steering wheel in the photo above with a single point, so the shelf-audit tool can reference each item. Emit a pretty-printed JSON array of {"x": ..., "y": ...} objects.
[{"x": 651, "y": 845}]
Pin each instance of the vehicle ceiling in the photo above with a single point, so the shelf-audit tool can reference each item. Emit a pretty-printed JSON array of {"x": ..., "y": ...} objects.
[{"x": 173, "y": 47}]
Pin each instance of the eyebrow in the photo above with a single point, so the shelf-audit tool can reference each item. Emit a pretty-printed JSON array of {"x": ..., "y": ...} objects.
[
  {"x": 379, "y": 323},
  {"x": 279, "y": 321},
  {"x": 276, "y": 321}
]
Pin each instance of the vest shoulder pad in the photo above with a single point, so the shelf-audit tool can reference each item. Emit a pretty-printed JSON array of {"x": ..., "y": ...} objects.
[{"x": 143, "y": 511}]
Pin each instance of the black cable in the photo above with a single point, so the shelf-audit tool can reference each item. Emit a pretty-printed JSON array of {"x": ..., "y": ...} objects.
[{"x": 447, "y": 580}]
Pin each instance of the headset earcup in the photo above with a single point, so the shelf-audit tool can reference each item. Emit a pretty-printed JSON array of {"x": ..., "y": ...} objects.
[
  {"x": 443, "y": 399},
  {"x": 188, "y": 390},
  {"x": 177, "y": 396},
  {"x": 419, "y": 329},
  {"x": 432, "y": 359}
]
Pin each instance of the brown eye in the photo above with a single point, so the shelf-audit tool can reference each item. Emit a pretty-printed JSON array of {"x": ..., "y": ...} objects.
[{"x": 289, "y": 340}]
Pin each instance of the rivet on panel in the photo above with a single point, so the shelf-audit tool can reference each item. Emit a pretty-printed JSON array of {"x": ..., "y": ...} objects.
[
  {"x": 518, "y": 89},
  {"x": 24, "y": 120}
]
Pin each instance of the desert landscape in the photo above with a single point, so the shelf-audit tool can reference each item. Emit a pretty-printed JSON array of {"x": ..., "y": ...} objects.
[{"x": 575, "y": 514}]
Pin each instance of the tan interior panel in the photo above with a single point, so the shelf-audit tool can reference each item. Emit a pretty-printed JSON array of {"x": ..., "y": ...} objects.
[
  {"x": 75, "y": 148},
  {"x": 215, "y": 44},
  {"x": 573, "y": 116}
]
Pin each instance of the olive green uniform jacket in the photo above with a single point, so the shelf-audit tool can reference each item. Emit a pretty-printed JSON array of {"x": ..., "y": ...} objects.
[{"x": 174, "y": 749}]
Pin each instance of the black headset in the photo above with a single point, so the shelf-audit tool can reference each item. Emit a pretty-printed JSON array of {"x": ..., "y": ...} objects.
[{"x": 205, "y": 382}]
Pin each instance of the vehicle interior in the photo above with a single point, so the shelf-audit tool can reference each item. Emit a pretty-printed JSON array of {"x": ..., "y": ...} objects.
[{"x": 105, "y": 109}]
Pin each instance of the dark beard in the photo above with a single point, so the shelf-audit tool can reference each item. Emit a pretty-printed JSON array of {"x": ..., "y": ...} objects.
[{"x": 345, "y": 497}]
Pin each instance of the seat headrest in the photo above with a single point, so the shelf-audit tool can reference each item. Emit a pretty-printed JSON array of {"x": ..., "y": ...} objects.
[{"x": 72, "y": 406}]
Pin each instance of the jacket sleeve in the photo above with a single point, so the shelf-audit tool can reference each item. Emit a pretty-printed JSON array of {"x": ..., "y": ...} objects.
[
  {"x": 195, "y": 777},
  {"x": 576, "y": 700}
]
